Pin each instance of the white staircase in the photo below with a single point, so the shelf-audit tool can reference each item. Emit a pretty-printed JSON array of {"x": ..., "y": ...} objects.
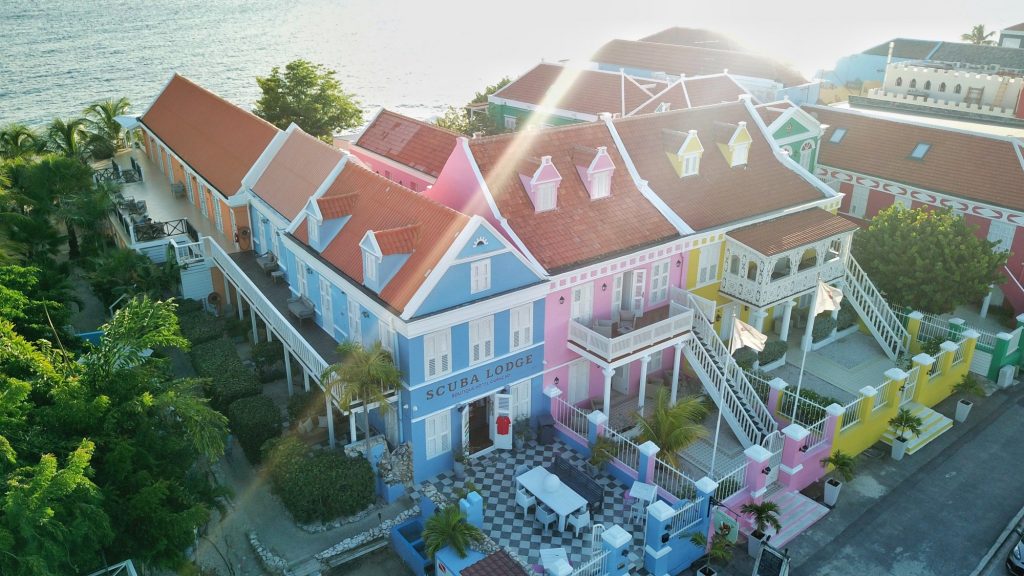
[
  {"x": 725, "y": 382},
  {"x": 874, "y": 310}
]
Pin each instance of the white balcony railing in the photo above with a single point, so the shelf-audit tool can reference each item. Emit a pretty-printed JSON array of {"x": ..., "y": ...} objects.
[
  {"x": 772, "y": 291},
  {"x": 609, "y": 348}
]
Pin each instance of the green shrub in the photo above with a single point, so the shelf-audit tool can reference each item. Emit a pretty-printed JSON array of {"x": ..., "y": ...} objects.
[
  {"x": 847, "y": 317},
  {"x": 269, "y": 360},
  {"x": 824, "y": 324},
  {"x": 199, "y": 327},
  {"x": 229, "y": 379},
  {"x": 773, "y": 350},
  {"x": 932, "y": 346},
  {"x": 236, "y": 328},
  {"x": 254, "y": 420},
  {"x": 745, "y": 358},
  {"x": 302, "y": 405},
  {"x": 186, "y": 306},
  {"x": 318, "y": 486}
]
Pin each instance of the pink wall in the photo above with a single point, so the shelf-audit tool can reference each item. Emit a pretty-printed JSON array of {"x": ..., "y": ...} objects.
[
  {"x": 458, "y": 187},
  {"x": 404, "y": 176}
]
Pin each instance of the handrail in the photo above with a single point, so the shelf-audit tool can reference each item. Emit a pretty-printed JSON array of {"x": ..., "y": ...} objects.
[
  {"x": 876, "y": 311},
  {"x": 609, "y": 348}
]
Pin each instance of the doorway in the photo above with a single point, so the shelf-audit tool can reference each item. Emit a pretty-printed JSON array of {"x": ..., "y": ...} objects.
[
  {"x": 620, "y": 380},
  {"x": 479, "y": 424}
]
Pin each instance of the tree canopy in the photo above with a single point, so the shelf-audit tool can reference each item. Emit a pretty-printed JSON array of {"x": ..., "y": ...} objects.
[
  {"x": 463, "y": 121},
  {"x": 977, "y": 35},
  {"x": 309, "y": 95},
  {"x": 928, "y": 260}
]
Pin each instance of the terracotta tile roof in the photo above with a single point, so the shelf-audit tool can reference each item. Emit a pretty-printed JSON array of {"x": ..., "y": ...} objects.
[
  {"x": 585, "y": 91},
  {"x": 337, "y": 206},
  {"x": 693, "y": 61},
  {"x": 719, "y": 194},
  {"x": 968, "y": 165},
  {"x": 418, "y": 145},
  {"x": 771, "y": 111},
  {"x": 384, "y": 206},
  {"x": 792, "y": 231},
  {"x": 496, "y": 564},
  {"x": 400, "y": 240},
  {"x": 579, "y": 230},
  {"x": 906, "y": 48},
  {"x": 219, "y": 140},
  {"x": 701, "y": 91},
  {"x": 295, "y": 173},
  {"x": 694, "y": 37}
]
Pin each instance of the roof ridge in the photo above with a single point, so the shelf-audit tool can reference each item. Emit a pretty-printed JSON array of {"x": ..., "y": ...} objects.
[
  {"x": 222, "y": 99},
  {"x": 384, "y": 111},
  {"x": 677, "y": 112},
  {"x": 911, "y": 122}
]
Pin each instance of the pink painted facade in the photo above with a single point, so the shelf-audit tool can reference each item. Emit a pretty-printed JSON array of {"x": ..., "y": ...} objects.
[
  {"x": 459, "y": 186},
  {"x": 406, "y": 176}
]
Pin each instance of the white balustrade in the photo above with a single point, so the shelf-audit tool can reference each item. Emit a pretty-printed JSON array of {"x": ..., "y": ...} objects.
[
  {"x": 851, "y": 414},
  {"x": 609, "y": 348},
  {"x": 731, "y": 483},
  {"x": 628, "y": 453},
  {"x": 884, "y": 323},
  {"x": 673, "y": 481},
  {"x": 571, "y": 417},
  {"x": 685, "y": 519},
  {"x": 596, "y": 566}
]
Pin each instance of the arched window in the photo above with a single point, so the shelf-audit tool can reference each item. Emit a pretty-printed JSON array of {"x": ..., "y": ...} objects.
[
  {"x": 752, "y": 271},
  {"x": 942, "y": 87},
  {"x": 957, "y": 89},
  {"x": 809, "y": 259},
  {"x": 928, "y": 85},
  {"x": 913, "y": 82},
  {"x": 781, "y": 268},
  {"x": 899, "y": 81},
  {"x": 806, "y": 154},
  {"x": 734, "y": 265}
]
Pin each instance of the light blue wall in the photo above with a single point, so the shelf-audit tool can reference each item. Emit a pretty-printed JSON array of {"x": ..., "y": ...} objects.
[
  {"x": 491, "y": 243},
  {"x": 863, "y": 67},
  {"x": 507, "y": 273},
  {"x": 257, "y": 222}
]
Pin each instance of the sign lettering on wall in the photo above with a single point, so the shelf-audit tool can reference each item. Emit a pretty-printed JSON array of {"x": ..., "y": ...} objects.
[{"x": 457, "y": 388}]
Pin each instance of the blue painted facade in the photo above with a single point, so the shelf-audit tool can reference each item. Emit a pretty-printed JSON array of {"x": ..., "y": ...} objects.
[{"x": 858, "y": 68}]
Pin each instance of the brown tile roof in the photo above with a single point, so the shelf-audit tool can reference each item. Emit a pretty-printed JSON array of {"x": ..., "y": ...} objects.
[
  {"x": 295, "y": 172},
  {"x": 693, "y": 61},
  {"x": 219, "y": 140},
  {"x": 585, "y": 91},
  {"x": 974, "y": 166},
  {"x": 695, "y": 37},
  {"x": 579, "y": 230},
  {"x": 384, "y": 206},
  {"x": 719, "y": 194},
  {"x": 496, "y": 564},
  {"x": 771, "y": 111},
  {"x": 691, "y": 92},
  {"x": 400, "y": 240},
  {"x": 1016, "y": 27},
  {"x": 791, "y": 231},
  {"x": 418, "y": 145},
  {"x": 337, "y": 206}
]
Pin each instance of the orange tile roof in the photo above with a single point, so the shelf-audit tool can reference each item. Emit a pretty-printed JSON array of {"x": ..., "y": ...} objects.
[
  {"x": 295, "y": 173},
  {"x": 587, "y": 91},
  {"x": 579, "y": 230},
  {"x": 967, "y": 165},
  {"x": 337, "y": 206},
  {"x": 693, "y": 61},
  {"x": 418, "y": 145},
  {"x": 719, "y": 194},
  {"x": 219, "y": 140},
  {"x": 791, "y": 231},
  {"x": 694, "y": 37},
  {"x": 771, "y": 111},
  {"x": 691, "y": 92},
  {"x": 400, "y": 240},
  {"x": 384, "y": 206}
]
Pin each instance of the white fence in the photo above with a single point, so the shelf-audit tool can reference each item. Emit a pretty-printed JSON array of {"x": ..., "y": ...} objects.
[
  {"x": 958, "y": 356},
  {"x": 679, "y": 321},
  {"x": 816, "y": 434},
  {"x": 851, "y": 414},
  {"x": 570, "y": 417},
  {"x": 731, "y": 483},
  {"x": 685, "y": 519},
  {"x": 596, "y": 566},
  {"x": 882, "y": 398},
  {"x": 673, "y": 481},
  {"x": 628, "y": 453}
]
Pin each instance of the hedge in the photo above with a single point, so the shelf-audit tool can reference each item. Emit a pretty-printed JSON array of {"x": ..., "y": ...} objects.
[
  {"x": 229, "y": 379},
  {"x": 254, "y": 420},
  {"x": 269, "y": 360},
  {"x": 773, "y": 350},
  {"x": 745, "y": 357},
  {"x": 302, "y": 405},
  {"x": 318, "y": 486},
  {"x": 847, "y": 317},
  {"x": 824, "y": 325},
  {"x": 199, "y": 327}
]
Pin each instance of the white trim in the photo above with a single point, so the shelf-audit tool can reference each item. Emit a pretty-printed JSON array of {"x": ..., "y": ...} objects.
[
  {"x": 255, "y": 172},
  {"x": 919, "y": 124},
  {"x": 319, "y": 192}
]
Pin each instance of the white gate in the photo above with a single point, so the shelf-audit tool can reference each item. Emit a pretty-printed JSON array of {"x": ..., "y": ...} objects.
[
  {"x": 909, "y": 385},
  {"x": 773, "y": 443},
  {"x": 981, "y": 362}
]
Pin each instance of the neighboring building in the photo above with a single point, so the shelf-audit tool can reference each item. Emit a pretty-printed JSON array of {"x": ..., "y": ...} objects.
[
  {"x": 763, "y": 77},
  {"x": 794, "y": 130},
  {"x": 877, "y": 162},
  {"x": 1012, "y": 37},
  {"x": 403, "y": 149}
]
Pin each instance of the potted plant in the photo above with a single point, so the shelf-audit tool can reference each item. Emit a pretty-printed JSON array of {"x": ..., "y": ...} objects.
[
  {"x": 762, "y": 516},
  {"x": 449, "y": 527},
  {"x": 601, "y": 453},
  {"x": 460, "y": 464},
  {"x": 967, "y": 386},
  {"x": 902, "y": 423},
  {"x": 522, "y": 432},
  {"x": 842, "y": 467},
  {"x": 718, "y": 550}
]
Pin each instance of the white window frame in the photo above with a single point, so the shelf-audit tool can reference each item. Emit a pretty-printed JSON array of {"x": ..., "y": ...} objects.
[
  {"x": 1002, "y": 234},
  {"x": 600, "y": 184},
  {"x": 511, "y": 122},
  {"x": 547, "y": 196},
  {"x": 437, "y": 347},
  {"x": 520, "y": 320},
  {"x": 480, "y": 276},
  {"x": 302, "y": 271},
  {"x": 582, "y": 298},
  {"x": 691, "y": 164},
  {"x": 740, "y": 154},
  {"x": 481, "y": 340},
  {"x": 386, "y": 335},
  {"x": 707, "y": 267},
  {"x": 369, "y": 267},
  {"x": 859, "y": 201},
  {"x": 806, "y": 153},
  {"x": 659, "y": 281},
  {"x": 438, "y": 431},
  {"x": 355, "y": 321},
  {"x": 218, "y": 216},
  {"x": 313, "y": 231}
]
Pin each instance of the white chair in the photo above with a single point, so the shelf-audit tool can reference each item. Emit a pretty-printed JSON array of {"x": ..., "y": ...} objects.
[
  {"x": 555, "y": 561},
  {"x": 626, "y": 319},
  {"x": 544, "y": 516},
  {"x": 579, "y": 521},
  {"x": 524, "y": 500}
]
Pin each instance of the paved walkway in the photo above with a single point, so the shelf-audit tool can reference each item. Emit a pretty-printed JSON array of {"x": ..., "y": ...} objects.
[
  {"x": 90, "y": 314},
  {"x": 840, "y": 369}
]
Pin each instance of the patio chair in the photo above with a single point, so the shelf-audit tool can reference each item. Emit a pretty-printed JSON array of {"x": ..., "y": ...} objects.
[
  {"x": 544, "y": 516},
  {"x": 579, "y": 521},
  {"x": 521, "y": 469},
  {"x": 626, "y": 320},
  {"x": 525, "y": 500}
]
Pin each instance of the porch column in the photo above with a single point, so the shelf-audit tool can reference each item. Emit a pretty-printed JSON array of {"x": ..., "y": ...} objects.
[
  {"x": 986, "y": 302},
  {"x": 787, "y": 314},
  {"x": 330, "y": 420},
  {"x": 644, "y": 360},
  {"x": 805, "y": 343},
  {"x": 608, "y": 373},
  {"x": 227, "y": 287},
  {"x": 757, "y": 471},
  {"x": 757, "y": 317},
  {"x": 792, "y": 455},
  {"x": 305, "y": 379},
  {"x": 270, "y": 333},
  {"x": 353, "y": 432},
  {"x": 775, "y": 389},
  {"x": 675, "y": 371},
  {"x": 255, "y": 333},
  {"x": 238, "y": 299},
  {"x": 288, "y": 369}
]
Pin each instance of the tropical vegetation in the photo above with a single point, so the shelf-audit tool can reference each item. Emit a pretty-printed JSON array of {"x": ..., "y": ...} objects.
[
  {"x": 763, "y": 515},
  {"x": 254, "y": 420},
  {"x": 842, "y": 464},
  {"x": 449, "y": 527},
  {"x": 673, "y": 427},
  {"x": 977, "y": 35},
  {"x": 309, "y": 95},
  {"x": 906, "y": 422},
  {"x": 465, "y": 121},
  {"x": 362, "y": 376},
  {"x": 717, "y": 549}
]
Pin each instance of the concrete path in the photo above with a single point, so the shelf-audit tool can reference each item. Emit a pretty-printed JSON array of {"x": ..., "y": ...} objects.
[{"x": 90, "y": 314}]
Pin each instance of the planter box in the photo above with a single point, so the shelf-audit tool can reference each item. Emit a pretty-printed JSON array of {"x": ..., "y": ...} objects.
[
  {"x": 754, "y": 545},
  {"x": 963, "y": 408},
  {"x": 832, "y": 488},
  {"x": 835, "y": 337},
  {"x": 773, "y": 365},
  {"x": 899, "y": 448}
]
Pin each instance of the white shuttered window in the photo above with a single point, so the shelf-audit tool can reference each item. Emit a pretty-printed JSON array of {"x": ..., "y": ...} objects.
[
  {"x": 481, "y": 339},
  {"x": 480, "y": 272},
  {"x": 439, "y": 433},
  {"x": 437, "y": 354},
  {"x": 521, "y": 327}
]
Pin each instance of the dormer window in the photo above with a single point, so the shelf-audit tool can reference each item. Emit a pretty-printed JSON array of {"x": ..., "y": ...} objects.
[
  {"x": 601, "y": 185},
  {"x": 684, "y": 151},
  {"x": 595, "y": 168},
  {"x": 313, "y": 230},
  {"x": 369, "y": 268},
  {"x": 734, "y": 142},
  {"x": 691, "y": 164},
  {"x": 542, "y": 183},
  {"x": 545, "y": 196}
]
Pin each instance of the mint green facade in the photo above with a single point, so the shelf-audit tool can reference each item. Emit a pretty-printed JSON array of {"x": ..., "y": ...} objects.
[
  {"x": 800, "y": 141},
  {"x": 498, "y": 112}
]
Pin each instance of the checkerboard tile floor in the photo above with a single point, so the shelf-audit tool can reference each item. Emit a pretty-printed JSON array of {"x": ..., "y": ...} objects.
[{"x": 494, "y": 476}]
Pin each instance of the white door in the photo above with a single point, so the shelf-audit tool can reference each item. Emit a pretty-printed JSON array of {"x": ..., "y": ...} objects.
[
  {"x": 261, "y": 232},
  {"x": 502, "y": 427},
  {"x": 579, "y": 381},
  {"x": 188, "y": 187},
  {"x": 637, "y": 292},
  {"x": 616, "y": 297},
  {"x": 620, "y": 380},
  {"x": 391, "y": 426},
  {"x": 520, "y": 400},
  {"x": 218, "y": 217},
  {"x": 859, "y": 201},
  {"x": 301, "y": 272},
  {"x": 355, "y": 332},
  {"x": 465, "y": 428},
  {"x": 326, "y": 308},
  {"x": 583, "y": 303}
]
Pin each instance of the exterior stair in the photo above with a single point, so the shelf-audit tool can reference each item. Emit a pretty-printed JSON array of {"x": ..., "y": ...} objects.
[
  {"x": 997, "y": 100},
  {"x": 869, "y": 303},
  {"x": 935, "y": 425},
  {"x": 726, "y": 383},
  {"x": 796, "y": 514}
]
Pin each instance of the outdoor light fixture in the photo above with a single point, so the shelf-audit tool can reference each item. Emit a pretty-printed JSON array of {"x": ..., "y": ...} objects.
[
  {"x": 366, "y": 314},
  {"x": 309, "y": 271},
  {"x": 556, "y": 380},
  {"x": 804, "y": 448},
  {"x": 604, "y": 287},
  {"x": 766, "y": 470},
  {"x": 679, "y": 263},
  {"x": 561, "y": 299}
]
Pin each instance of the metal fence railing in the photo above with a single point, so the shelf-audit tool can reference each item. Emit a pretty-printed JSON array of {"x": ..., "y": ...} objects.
[{"x": 851, "y": 414}]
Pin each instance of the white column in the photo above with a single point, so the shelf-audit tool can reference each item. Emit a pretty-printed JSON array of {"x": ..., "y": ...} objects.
[
  {"x": 352, "y": 434},
  {"x": 270, "y": 332},
  {"x": 288, "y": 369},
  {"x": 330, "y": 419},
  {"x": 757, "y": 316},
  {"x": 255, "y": 332},
  {"x": 675, "y": 370},
  {"x": 608, "y": 373},
  {"x": 644, "y": 360},
  {"x": 305, "y": 379},
  {"x": 227, "y": 288},
  {"x": 787, "y": 315},
  {"x": 238, "y": 301},
  {"x": 986, "y": 302}
]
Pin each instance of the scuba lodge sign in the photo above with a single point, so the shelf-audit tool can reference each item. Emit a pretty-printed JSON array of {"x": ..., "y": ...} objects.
[{"x": 429, "y": 398}]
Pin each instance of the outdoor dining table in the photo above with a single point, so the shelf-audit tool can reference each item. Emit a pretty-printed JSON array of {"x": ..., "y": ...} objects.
[{"x": 561, "y": 499}]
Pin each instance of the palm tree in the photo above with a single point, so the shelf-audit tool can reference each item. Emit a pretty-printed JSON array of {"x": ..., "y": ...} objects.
[
  {"x": 977, "y": 35},
  {"x": 673, "y": 427},
  {"x": 101, "y": 118},
  {"x": 718, "y": 549},
  {"x": 362, "y": 376},
  {"x": 842, "y": 465},
  {"x": 449, "y": 527},
  {"x": 19, "y": 141},
  {"x": 763, "y": 515},
  {"x": 69, "y": 138},
  {"x": 906, "y": 421}
]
